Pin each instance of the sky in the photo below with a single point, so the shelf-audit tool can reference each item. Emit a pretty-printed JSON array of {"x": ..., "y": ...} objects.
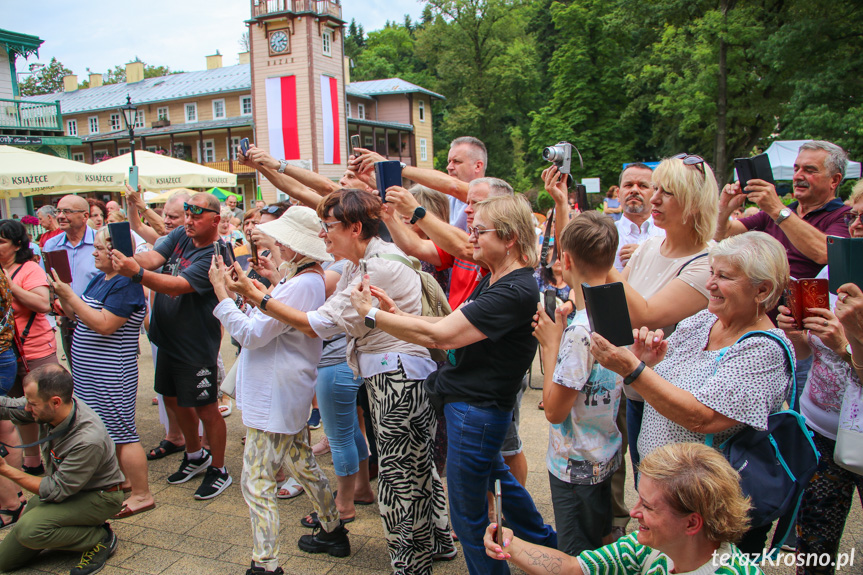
[{"x": 100, "y": 35}]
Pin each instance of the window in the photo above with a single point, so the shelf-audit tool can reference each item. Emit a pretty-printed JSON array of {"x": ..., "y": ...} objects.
[
  {"x": 139, "y": 119},
  {"x": 361, "y": 111},
  {"x": 349, "y": 110},
  {"x": 327, "y": 41},
  {"x": 234, "y": 144},
  {"x": 152, "y": 149},
  {"x": 246, "y": 105},
  {"x": 218, "y": 109},
  {"x": 94, "y": 124},
  {"x": 116, "y": 122},
  {"x": 191, "y": 113},
  {"x": 100, "y": 156},
  {"x": 72, "y": 127},
  {"x": 423, "y": 150},
  {"x": 422, "y": 111},
  {"x": 78, "y": 156},
  {"x": 209, "y": 151},
  {"x": 162, "y": 114},
  {"x": 122, "y": 151},
  {"x": 369, "y": 141}
]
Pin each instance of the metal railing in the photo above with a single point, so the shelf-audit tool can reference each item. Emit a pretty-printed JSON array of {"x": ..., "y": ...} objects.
[
  {"x": 24, "y": 115},
  {"x": 233, "y": 167},
  {"x": 318, "y": 7}
]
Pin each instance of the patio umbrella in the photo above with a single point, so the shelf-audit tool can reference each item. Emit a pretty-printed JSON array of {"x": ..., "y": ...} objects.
[
  {"x": 223, "y": 194},
  {"x": 27, "y": 173},
  {"x": 162, "y": 197},
  {"x": 158, "y": 172}
]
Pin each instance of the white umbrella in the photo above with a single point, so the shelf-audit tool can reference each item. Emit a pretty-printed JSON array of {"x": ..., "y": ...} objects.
[
  {"x": 158, "y": 172},
  {"x": 27, "y": 173}
]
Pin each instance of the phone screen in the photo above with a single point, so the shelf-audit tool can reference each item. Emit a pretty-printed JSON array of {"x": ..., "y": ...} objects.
[
  {"x": 550, "y": 302},
  {"x": 244, "y": 146},
  {"x": 355, "y": 143}
]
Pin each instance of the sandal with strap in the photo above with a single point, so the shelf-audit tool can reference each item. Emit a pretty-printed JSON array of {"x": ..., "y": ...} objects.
[
  {"x": 164, "y": 449},
  {"x": 13, "y": 513}
]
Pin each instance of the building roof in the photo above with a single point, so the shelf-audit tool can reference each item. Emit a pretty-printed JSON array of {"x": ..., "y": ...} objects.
[
  {"x": 18, "y": 43},
  {"x": 376, "y": 124},
  {"x": 153, "y": 90},
  {"x": 233, "y": 122},
  {"x": 386, "y": 87}
]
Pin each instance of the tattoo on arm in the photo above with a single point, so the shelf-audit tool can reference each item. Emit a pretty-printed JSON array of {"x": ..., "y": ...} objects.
[{"x": 539, "y": 558}]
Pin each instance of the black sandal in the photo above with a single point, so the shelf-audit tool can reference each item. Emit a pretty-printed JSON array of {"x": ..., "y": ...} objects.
[
  {"x": 13, "y": 513},
  {"x": 164, "y": 449}
]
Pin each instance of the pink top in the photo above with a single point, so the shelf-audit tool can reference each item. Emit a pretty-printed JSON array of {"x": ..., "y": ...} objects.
[{"x": 40, "y": 340}]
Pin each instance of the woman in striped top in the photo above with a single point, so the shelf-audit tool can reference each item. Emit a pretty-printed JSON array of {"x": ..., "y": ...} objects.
[{"x": 105, "y": 364}]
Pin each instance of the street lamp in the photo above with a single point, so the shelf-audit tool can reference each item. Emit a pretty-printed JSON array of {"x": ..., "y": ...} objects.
[{"x": 130, "y": 114}]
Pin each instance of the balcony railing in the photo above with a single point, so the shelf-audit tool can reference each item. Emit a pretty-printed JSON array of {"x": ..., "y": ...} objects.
[
  {"x": 317, "y": 7},
  {"x": 23, "y": 115},
  {"x": 233, "y": 167}
]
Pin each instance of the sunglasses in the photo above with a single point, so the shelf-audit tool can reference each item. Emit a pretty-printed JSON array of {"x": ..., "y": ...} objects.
[
  {"x": 691, "y": 160},
  {"x": 851, "y": 217},
  {"x": 270, "y": 210},
  {"x": 197, "y": 210}
]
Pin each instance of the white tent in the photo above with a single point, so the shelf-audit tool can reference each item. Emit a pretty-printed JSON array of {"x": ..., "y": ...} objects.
[
  {"x": 27, "y": 173},
  {"x": 157, "y": 172},
  {"x": 783, "y": 153}
]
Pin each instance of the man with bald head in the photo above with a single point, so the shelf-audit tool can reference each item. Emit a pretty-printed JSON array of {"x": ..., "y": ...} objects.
[
  {"x": 188, "y": 336},
  {"x": 76, "y": 239},
  {"x": 113, "y": 206}
]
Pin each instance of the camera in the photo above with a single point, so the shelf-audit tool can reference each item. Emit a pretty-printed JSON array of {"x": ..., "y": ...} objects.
[{"x": 560, "y": 155}]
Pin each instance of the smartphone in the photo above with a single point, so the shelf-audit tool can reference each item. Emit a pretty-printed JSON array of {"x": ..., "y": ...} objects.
[
  {"x": 843, "y": 259},
  {"x": 226, "y": 251},
  {"x": 581, "y": 198},
  {"x": 364, "y": 269},
  {"x": 355, "y": 143},
  {"x": 754, "y": 168},
  {"x": 133, "y": 177},
  {"x": 806, "y": 293},
  {"x": 121, "y": 238},
  {"x": 608, "y": 313},
  {"x": 254, "y": 249},
  {"x": 550, "y": 302},
  {"x": 498, "y": 512},
  {"x": 58, "y": 260},
  {"x": 387, "y": 174}
]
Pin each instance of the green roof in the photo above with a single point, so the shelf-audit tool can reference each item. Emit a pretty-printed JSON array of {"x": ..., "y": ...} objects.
[{"x": 21, "y": 44}]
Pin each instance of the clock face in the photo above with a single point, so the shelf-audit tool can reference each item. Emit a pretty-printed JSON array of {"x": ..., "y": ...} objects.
[{"x": 279, "y": 42}]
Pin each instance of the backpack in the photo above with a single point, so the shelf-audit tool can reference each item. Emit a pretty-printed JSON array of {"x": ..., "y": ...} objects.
[
  {"x": 774, "y": 465},
  {"x": 434, "y": 302}
]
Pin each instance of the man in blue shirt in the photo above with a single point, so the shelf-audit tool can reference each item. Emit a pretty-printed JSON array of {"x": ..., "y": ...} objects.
[{"x": 76, "y": 240}]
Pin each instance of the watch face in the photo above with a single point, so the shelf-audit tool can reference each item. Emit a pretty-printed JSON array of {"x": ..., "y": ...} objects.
[{"x": 279, "y": 42}]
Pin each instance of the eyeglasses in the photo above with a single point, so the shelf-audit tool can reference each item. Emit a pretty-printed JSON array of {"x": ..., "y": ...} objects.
[
  {"x": 475, "y": 231},
  {"x": 67, "y": 212},
  {"x": 197, "y": 210},
  {"x": 691, "y": 160},
  {"x": 325, "y": 226},
  {"x": 851, "y": 217}
]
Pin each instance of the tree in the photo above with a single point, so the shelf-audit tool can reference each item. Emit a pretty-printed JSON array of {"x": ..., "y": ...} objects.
[
  {"x": 244, "y": 41},
  {"x": 46, "y": 81}
]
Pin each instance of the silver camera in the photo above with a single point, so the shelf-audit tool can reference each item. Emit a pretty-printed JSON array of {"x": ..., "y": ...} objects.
[{"x": 560, "y": 155}]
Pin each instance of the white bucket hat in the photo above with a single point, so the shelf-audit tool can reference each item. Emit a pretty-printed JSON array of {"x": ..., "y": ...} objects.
[{"x": 298, "y": 229}]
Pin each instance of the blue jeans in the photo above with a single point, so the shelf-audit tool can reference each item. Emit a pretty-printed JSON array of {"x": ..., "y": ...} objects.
[
  {"x": 337, "y": 400},
  {"x": 634, "y": 413},
  {"x": 474, "y": 463},
  {"x": 8, "y": 370}
]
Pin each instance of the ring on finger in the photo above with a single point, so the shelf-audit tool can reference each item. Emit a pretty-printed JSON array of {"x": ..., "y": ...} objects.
[{"x": 826, "y": 323}]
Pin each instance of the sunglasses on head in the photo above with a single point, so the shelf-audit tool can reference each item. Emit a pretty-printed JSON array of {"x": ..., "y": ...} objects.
[
  {"x": 691, "y": 160},
  {"x": 197, "y": 210}
]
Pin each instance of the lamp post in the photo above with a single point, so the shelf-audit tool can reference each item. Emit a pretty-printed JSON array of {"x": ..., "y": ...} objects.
[{"x": 130, "y": 114}]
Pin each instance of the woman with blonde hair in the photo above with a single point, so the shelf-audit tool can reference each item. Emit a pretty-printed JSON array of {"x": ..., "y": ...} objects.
[
  {"x": 690, "y": 511},
  {"x": 490, "y": 335}
]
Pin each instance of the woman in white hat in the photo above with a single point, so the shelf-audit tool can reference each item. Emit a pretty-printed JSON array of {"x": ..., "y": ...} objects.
[{"x": 275, "y": 400}]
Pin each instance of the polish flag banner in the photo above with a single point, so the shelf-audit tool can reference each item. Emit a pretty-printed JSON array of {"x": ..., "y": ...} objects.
[
  {"x": 282, "y": 117},
  {"x": 330, "y": 113}
]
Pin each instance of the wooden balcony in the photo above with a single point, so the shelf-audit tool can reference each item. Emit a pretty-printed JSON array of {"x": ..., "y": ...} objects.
[
  {"x": 326, "y": 8},
  {"x": 232, "y": 167},
  {"x": 23, "y": 116}
]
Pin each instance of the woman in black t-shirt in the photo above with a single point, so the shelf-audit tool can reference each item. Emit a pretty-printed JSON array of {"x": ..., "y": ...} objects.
[{"x": 493, "y": 348}]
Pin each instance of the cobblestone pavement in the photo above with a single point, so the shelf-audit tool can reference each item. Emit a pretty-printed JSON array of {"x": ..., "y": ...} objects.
[{"x": 183, "y": 536}]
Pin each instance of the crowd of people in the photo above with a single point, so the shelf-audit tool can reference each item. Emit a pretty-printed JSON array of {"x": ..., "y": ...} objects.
[{"x": 326, "y": 298}]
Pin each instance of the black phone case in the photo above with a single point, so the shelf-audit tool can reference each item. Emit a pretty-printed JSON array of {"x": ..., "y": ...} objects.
[
  {"x": 549, "y": 301},
  {"x": 608, "y": 313},
  {"x": 845, "y": 261},
  {"x": 121, "y": 238},
  {"x": 754, "y": 168}
]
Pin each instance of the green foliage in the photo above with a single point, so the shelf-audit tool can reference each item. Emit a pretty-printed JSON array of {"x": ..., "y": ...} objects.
[{"x": 46, "y": 81}]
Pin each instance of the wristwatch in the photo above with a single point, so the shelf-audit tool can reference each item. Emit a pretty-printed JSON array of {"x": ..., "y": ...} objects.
[
  {"x": 634, "y": 375},
  {"x": 419, "y": 214},
  {"x": 263, "y": 304},
  {"x": 282, "y": 165},
  {"x": 784, "y": 214},
  {"x": 138, "y": 277},
  {"x": 370, "y": 318}
]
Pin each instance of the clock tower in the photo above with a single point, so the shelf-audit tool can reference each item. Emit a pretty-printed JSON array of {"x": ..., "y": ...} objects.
[{"x": 298, "y": 83}]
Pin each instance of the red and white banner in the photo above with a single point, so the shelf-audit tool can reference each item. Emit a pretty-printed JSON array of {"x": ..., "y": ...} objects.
[
  {"x": 282, "y": 117},
  {"x": 330, "y": 113}
]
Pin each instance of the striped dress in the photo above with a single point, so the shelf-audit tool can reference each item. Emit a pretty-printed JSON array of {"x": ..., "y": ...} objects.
[{"x": 105, "y": 367}]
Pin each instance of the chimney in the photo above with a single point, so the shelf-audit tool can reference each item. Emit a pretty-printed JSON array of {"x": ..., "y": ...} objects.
[
  {"x": 134, "y": 72},
  {"x": 214, "y": 61},
  {"x": 70, "y": 83},
  {"x": 244, "y": 57},
  {"x": 347, "y": 65},
  {"x": 95, "y": 80}
]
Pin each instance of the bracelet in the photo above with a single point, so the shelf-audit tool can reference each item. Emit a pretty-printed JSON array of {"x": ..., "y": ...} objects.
[
  {"x": 635, "y": 373},
  {"x": 263, "y": 304}
]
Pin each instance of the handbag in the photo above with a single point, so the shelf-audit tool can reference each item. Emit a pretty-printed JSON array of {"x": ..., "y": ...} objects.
[{"x": 848, "y": 452}]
